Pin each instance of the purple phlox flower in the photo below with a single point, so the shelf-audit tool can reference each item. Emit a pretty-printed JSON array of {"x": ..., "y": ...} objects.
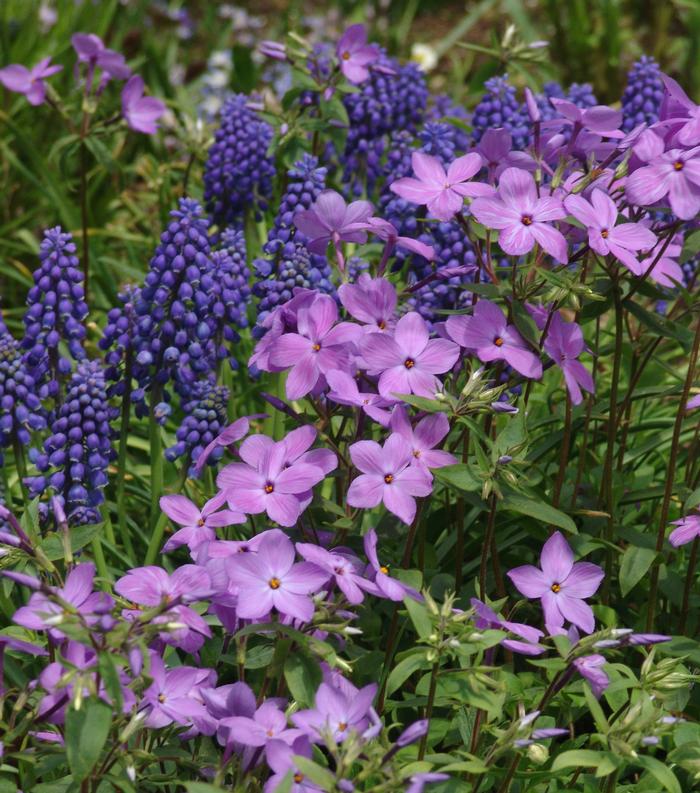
[
  {"x": 496, "y": 149},
  {"x": 268, "y": 723},
  {"x": 345, "y": 391},
  {"x": 409, "y": 360},
  {"x": 30, "y": 82},
  {"x": 441, "y": 192},
  {"x": 666, "y": 271},
  {"x": 540, "y": 314},
  {"x": 389, "y": 587},
  {"x": 600, "y": 119},
  {"x": 674, "y": 173},
  {"x": 280, "y": 320},
  {"x": 273, "y": 49},
  {"x": 590, "y": 667},
  {"x": 141, "y": 112},
  {"x": 173, "y": 697},
  {"x": 92, "y": 51},
  {"x": 488, "y": 334},
  {"x": 681, "y": 113},
  {"x": 330, "y": 219},
  {"x": 198, "y": 526},
  {"x": 227, "y": 437},
  {"x": 387, "y": 231},
  {"x": 521, "y": 217},
  {"x": 236, "y": 699},
  {"x": 688, "y": 529},
  {"x": 561, "y": 585},
  {"x": 564, "y": 343},
  {"x": 41, "y": 612},
  {"x": 388, "y": 476},
  {"x": 533, "y": 109},
  {"x": 345, "y": 568},
  {"x": 269, "y": 481},
  {"x": 487, "y": 618},
  {"x": 151, "y": 586},
  {"x": 319, "y": 346},
  {"x": 599, "y": 216},
  {"x": 693, "y": 402},
  {"x": 643, "y": 639},
  {"x": 336, "y": 713},
  {"x": 428, "y": 433},
  {"x": 355, "y": 54},
  {"x": 270, "y": 579},
  {"x": 419, "y": 781},
  {"x": 9, "y": 642},
  {"x": 371, "y": 301},
  {"x": 280, "y": 758}
]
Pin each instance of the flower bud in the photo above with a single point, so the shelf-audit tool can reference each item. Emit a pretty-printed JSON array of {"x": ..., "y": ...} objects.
[{"x": 538, "y": 753}]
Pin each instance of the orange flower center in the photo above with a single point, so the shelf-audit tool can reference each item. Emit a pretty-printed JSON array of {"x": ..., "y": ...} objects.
[
  {"x": 316, "y": 347},
  {"x": 161, "y": 697},
  {"x": 345, "y": 56},
  {"x": 342, "y": 726},
  {"x": 409, "y": 363},
  {"x": 678, "y": 165},
  {"x": 381, "y": 324},
  {"x": 200, "y": 522},
  {"x": 384, "y": 569},
  {"x": 556, "y": 587},
  {"x": 498, "y": 341},
  {"x": 526, "y": 220},
  {"x": 298, "y": 778},
  {"x": 269, "y": 487},
  {"x": 389, "y": 478},
  {"x": 274, "y": 583},
  {"x": 604, "y": 234}
]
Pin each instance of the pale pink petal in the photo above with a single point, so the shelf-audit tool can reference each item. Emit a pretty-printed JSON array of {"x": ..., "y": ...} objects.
[
  {"x": 428, "y": 168},
  {"x": 464, "y": 168},
  {"x": 180, "y": 509},
  {"x": 557, "y": 558}
]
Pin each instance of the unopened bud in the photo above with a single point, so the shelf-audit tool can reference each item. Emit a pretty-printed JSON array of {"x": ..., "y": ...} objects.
[{"x": 538, "y": 753}]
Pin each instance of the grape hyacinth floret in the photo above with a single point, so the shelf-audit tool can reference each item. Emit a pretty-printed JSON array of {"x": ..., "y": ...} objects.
[
  {"x": 74, "y": 460},
  {"x": 56, "y": 308},
  {"x": 643, "y": 95},
  {"x": 238, "y": 172},
  {"x": 500, "y": 108}
]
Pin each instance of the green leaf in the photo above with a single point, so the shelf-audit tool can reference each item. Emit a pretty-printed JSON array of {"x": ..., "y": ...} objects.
[
  {"x": 693, "y": 499},
  {"x": 201, "y": 787},
  {"x": 86, "y": 732},
  {"x": 110, "y": 677},
  {"x": 422, "y": 403},
  {"x": 321, "y": 776},
  {"x": 635, "y": 563},
  {"x": 419, "y": 617},
  {"x": 539, "y": 510},
  {"x": 303, "y": 676},
  {"x": 80, "y": 536},
  {"x": 404, "y": 669},
  {"x": 458, "y": 477},
  {"x": 604, "y": 762},
  {"x": 660, "y": 771},
  {"x": 525, "y": 324}
]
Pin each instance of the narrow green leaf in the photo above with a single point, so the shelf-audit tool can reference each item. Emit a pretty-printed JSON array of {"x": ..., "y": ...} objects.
[
  {"x": 419, "y": 617},
  {"x": 404, "y": 669},
  {"x": 86, "y": 732},
  {"x": 635, "y": 563},
  {"x": 458, "y": 477},
  {"x": 540, "y": 511},
  {"x": 660, "y": 771}
]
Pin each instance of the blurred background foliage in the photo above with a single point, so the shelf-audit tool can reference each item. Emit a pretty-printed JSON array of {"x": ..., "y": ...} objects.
[{"x": 135, "y": 180}]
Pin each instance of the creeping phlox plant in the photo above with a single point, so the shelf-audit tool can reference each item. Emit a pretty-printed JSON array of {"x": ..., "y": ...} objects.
[{"x": 366, "y": 485}]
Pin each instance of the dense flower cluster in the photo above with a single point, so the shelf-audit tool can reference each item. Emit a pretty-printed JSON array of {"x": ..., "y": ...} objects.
[
  {"x": 238, "y": 173},
  {"x": 500, "y": 108},
  {"x": 641, "y": 101}
]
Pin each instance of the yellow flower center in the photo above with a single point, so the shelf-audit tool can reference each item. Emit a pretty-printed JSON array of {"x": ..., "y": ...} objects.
[
  {"x": 316, "y": 347},
  {"x": 298, "y": 778},
  {"x": 556, "y": 587},
  {"x": 678, "y": 165},
  {"x": 498, "y": 341},
  {"x": 384, "y": 569},
  {"x": 389, "y": 478},
  {"x": 269, "y": 487},
  {"x": 345, "y": 56},
  {"x": 274, "y": 583},
  {"x": 604, "y": 234},
  {"x": 409, "y": 363},
  {"x": 526, "y": 220}
]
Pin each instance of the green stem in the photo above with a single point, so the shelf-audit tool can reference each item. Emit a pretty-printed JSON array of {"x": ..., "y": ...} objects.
[
  {"x": 21, "y": 466},
  {"x": 564, "y": 456},
  {"x": 156, "y": 442},
  {"x": 100, "y": 561},
  {"x": 486, "y": 547},
  {"x": 607, "y": 489},
  {"x": 689, "y": 580},
  {"x": 159, "y": 528},
  {"x": 121, "y": 460},
  {"x": 670, "y": 476},
  {"x": 429, "y": 708},
  {"x": 505, "y": 785}
]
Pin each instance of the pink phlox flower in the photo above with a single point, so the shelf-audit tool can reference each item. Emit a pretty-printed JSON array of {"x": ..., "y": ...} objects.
[
  {"x": 336, "y": 714},
  {"x": 680, "y": 113},
  {"x": 488, "y": 334},
  {"x": 141, "y": 112},
  {"x": 92, "y": 51},
  {"x": 442, "y": 192},
  {"x": 30, "y": 82},
  {"x": 198, "y": 526},
  {"x": 280, "y": 758},
  {"x": 270, "y": 579},
  {"x": 693, "y": 402},
  {"x": 428, "y": 433},
  {"x": 388, "y": 233},
  {"x": 521, "y": 217},
  {"x": 666, "y": 271},
  {"x": 268, "y": 723},
  {"x": 561, "y": 585},
  {"x": 599, "y": 119},
  {"x": 408, "y": 361},
  {"x": 688, "y": 529},
  {"x": 355, "y": 55},
  {"x": 371, "y": 301},
  {"x": 345, "y": 569},
  {"x": 387, "y": 586},
  {"x": 227, "y": 437},
  {"x": 496, "y": 149},
  {"x": 564, "y": 343},
  {"x": 590, "y": 667},
  {"x": 388, "y": 477},
  {"x": 527, "y": 642},
  {"x": 330, "y": 219},
  {"x": 345, "y": 391},
  {"x": 605, "y": 235},
  {"x": 321, "y": 344},
  {"x": 173, "y": 697}
]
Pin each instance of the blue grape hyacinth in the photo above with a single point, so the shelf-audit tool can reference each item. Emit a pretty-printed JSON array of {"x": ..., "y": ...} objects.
[
  {"x": 205, "y": 417},
  {"x": 238, "y": 173},
  {"x": 75, "y": 457},
  {"x": 642, "y": 98},
  {"x": 56, "y": 309},
  {"x": 500, "y": 108}
]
